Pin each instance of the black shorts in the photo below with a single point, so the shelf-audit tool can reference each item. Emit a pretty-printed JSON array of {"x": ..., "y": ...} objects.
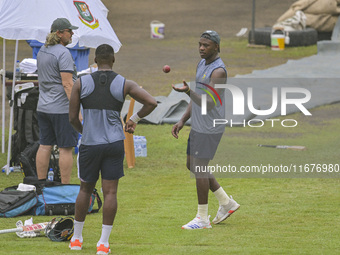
[
  {"x": 106, "y": 159},
  {"x": 203, "y": 146},
  {"x": 55, "y": 129}
]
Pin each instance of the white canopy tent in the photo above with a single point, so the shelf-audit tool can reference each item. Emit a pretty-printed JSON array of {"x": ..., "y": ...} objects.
[{"x": 32, "y": 19}]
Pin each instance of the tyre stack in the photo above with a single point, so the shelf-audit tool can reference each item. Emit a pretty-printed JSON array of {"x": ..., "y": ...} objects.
[{"x": 306, "y": 37}]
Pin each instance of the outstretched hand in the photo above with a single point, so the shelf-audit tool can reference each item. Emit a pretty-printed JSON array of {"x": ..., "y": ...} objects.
[{"x": 184, "y": 88}]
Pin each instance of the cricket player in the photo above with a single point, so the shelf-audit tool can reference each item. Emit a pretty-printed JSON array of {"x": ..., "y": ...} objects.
[
  {"x": 204, "y": 138},
  {"x": 102, "y": 95}
]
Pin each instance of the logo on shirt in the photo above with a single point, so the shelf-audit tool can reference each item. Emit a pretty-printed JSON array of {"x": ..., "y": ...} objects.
[
  {"x": 204, "y": 97},
  {"x": 85, "y": 15}
]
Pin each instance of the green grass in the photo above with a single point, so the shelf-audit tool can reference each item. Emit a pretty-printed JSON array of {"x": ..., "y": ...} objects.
[{"x": 277, "y": 215}]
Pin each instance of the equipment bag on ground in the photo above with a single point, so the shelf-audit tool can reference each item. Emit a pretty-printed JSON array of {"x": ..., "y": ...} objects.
[
  {"x": 50, "y": 198},
  {"x": 61, "y": 199},
  {"x": 15, "y": 202}
]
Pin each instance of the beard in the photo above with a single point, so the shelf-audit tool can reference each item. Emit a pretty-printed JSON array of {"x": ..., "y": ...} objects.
[{"x": 68, "y": 42}]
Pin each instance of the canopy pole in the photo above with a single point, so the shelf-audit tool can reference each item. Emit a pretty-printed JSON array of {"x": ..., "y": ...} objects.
[
  {"x": 252, "y": 38},
  {"x": 12, "y": 109},
  {"x": 3, "y": 93}
]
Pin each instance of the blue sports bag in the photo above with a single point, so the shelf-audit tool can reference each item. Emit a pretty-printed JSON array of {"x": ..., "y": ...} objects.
[{"x": 61, "y": 199}]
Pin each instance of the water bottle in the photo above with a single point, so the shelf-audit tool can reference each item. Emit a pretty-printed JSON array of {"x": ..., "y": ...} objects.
[
  {"x": 143, "y": 146},
  {"x": 50, "y": 175},
  {"x": 17, "y": 71},
  {"x": 137, "y": 145},
  {"x": 11, "y": 169}
]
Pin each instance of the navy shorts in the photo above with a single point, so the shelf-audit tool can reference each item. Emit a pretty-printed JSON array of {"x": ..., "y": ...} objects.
[
  {"x": 55, "y": 129},
  {"x": 203, "y": 146},
  {"x": 106, "y": 159}
]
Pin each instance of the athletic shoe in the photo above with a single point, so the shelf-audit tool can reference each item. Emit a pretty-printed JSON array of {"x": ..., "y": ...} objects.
[
  {"x": 75, "y": 245},
  {"x": 197, "y": 223},
  {"x": 224, "y": 211},
  {"x": 101, "y": 249}
]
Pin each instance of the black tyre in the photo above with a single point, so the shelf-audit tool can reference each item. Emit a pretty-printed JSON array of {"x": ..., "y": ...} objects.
[
  {"x": 306, "y": 37},
  {"x": 261, "y": 36}
]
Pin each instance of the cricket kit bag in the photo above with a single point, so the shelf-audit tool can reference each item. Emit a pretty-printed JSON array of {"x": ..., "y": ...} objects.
[
  {"x": 15, "y": 202},
  {"x": 25, "y": 142},
  {"x": 60, "y": 200},
  {"x": 25, "y": 121},
  {"x": 50, "y": 198}
]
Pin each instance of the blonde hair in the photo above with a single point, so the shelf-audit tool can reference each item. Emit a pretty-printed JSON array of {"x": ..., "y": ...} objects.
[{"x": 52, "y": 39}]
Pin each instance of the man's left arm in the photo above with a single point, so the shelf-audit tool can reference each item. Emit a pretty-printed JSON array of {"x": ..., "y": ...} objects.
[{"x": 218, "y": 76}]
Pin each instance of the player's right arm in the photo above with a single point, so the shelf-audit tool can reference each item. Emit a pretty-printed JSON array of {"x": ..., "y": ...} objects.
[
  {"x": 142, "y": 96},
  {"x": 218, "y": 76}
]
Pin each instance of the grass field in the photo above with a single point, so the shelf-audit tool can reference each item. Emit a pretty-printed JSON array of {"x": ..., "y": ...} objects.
[
  {"x": 277, "y": 215},
  {"x": 158, "y": 196}
]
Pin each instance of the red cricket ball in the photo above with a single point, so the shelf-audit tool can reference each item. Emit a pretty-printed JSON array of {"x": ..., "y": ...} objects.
[{"x": 166, "y": 69}]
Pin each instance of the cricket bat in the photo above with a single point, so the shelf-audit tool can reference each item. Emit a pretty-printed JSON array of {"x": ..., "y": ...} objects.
[
  {"x": 288, "y": 147},
  {"x": 128, "y": 142},
  {"x": 34, "y": 227}
]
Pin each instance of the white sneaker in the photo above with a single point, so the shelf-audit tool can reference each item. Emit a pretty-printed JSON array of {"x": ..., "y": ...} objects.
[
  {"x": 224, "y": 211},
  {"x": 197, "y": 223}
]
